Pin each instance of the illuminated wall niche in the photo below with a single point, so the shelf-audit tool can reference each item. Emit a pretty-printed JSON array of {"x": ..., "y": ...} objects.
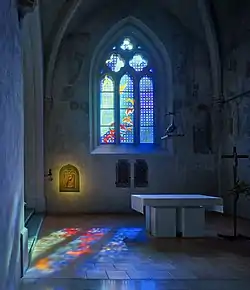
[{"x": 69, "y": 179}]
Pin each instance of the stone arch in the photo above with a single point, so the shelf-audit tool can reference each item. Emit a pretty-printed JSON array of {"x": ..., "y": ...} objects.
[
  {"x": 57, "y": 39},
  {"x": 213, "y": 46},
  {"x": 155, "y": 46}
]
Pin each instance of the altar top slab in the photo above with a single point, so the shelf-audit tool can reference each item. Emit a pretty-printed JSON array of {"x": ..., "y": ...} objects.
[
  {"x": 175, "y": 196},
  {"x": 138, "y": 202}
]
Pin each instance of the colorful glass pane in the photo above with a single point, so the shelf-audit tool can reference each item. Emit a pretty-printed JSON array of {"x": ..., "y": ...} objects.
[
  {"x": 147, "y": 135},
  {"x": 146, "y": 110},
  {"x": 126, "y": 134},
  {"x": 107, "y": 117},
  {"x": 107, "y": 135},
  {"x": 115, "y": 62},
  {"x": 127, "y": 45},
  {"x": 107, "y": 110},
  {"x": 138, "y": 63},
  {"x": 126, "y": 84},
  {"x": 107, "y": 84},
  {"x": 127, "y": 117},
  {"x": 126, "y": 90}
]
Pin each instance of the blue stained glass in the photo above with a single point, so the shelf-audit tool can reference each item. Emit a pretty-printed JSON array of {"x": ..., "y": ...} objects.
[
  {"x": 147, "y": 100},
  {"x": 127, "y": 135},
  {"x": 146, "y": 84},
  {"x": 138, "y": 63},
  {"x": 147, "y": 135},
  {"x": 146, "y": 110},
  {"x": 126, "y": 90},
  {"x": 115, "y": 62},
  {"x": 147, "y": 117}
]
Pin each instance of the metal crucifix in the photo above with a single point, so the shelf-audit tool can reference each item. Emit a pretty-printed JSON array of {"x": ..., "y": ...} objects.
[{"x": 235, "y": 157}]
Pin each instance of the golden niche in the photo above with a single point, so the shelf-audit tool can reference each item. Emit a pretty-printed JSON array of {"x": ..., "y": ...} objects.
[{"x": 69, "y": 180}]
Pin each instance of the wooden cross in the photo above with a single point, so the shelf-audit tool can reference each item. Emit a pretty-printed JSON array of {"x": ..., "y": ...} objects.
[{"x": 235, "y": 157}]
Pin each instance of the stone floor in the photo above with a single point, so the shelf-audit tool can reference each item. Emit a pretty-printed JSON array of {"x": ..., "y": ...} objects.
[{"x": 114, "y": 253}]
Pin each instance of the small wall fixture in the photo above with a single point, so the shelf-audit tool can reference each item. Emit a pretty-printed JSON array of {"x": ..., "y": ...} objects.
[
  {"x": 49, "y": 175},
  {"x": 175, "y": 128}
]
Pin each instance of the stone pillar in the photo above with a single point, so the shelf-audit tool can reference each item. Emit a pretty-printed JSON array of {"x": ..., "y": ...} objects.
[
  {"x": 33, "y": 111},
  {"x": 11, "y": 146}
]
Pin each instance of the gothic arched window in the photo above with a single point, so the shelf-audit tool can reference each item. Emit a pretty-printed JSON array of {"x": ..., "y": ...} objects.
[{"x": 126, "y": 95}]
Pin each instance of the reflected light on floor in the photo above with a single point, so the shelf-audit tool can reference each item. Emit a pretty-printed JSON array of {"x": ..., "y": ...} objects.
[
  {"x": 46, "y": 243},
  {"x": 128, "y": 285},
  {"x": 117, "y": 245},
  {"x": 68, "y": 253}
]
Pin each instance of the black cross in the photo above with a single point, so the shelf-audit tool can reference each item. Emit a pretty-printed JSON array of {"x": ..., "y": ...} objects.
[{"x": 235, "y": 157}]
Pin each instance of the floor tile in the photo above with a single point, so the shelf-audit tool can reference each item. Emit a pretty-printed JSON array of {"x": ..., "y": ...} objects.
[
  {"x": 100, "y": 257},
  {"x": 117, "y": 275},
  {"x": 96, "y": 274},
  {"x": 139, "y": 275}
]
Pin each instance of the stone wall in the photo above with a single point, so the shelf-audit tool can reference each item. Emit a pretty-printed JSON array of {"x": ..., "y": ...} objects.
[
  {"x": 233, "y": 27},
  {"x": 11, "y": 146},
  {"x": 191, "y": 167},
  {"x": 33, "y": 110}
]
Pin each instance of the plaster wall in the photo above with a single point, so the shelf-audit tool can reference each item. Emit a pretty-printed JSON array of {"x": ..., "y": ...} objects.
[
  {"x": 68, "y": 118},
  {"x": 11, "y": 146}
]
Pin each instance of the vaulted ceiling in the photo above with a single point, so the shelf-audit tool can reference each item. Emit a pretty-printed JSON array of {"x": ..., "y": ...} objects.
[
  {"x": 231, "y": 17},
  {"x": 186, "y": 11}
]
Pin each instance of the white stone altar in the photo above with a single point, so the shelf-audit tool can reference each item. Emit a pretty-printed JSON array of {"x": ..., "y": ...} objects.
[{"x": 169, "y": 215}]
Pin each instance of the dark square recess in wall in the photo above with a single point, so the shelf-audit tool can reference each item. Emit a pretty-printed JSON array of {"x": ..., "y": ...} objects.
[
  {"x": 123, "y": 173},
  {"x": 141, "y": 173}
]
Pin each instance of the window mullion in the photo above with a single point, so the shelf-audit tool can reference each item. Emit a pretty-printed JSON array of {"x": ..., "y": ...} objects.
[
  {"x": 117, "y": 110},
  {"x": 137, "y": 110}
]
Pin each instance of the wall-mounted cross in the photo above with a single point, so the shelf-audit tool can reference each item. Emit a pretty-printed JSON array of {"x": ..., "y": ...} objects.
[{"x": 235, "y": 157}]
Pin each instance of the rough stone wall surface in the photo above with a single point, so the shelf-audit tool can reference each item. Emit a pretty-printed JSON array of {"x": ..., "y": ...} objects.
[
  {"x": 233, "y": 24},
  {"x": 11, "y": 146}
]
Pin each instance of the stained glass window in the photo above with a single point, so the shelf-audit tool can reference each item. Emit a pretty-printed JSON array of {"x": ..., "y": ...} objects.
[
  {"x": 127, "y": 45},
  {"x": 126, "y": 91},
  {"x": 107, "y": 110},
  {"x": 115, "y": 62},
  {"x": 127, "y": 96},
  {"x": 138, "y": 62},
  {"x": 146, "y": 110}
]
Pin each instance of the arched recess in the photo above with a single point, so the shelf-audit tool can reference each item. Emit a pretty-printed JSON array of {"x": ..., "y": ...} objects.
[
  {"x": 217, "y": 77},
  {"x": 146, "y": 37}
]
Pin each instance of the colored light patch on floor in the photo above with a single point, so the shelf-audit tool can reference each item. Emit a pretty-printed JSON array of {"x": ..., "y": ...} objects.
[
  {"x": 65, "y": 255},
  {"x": 117, "y": 247},
  {"x": 47, "y": 243}
]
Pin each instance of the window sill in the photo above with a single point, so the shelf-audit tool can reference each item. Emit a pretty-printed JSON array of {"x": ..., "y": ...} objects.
[{"x": 129, "y": 149}]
